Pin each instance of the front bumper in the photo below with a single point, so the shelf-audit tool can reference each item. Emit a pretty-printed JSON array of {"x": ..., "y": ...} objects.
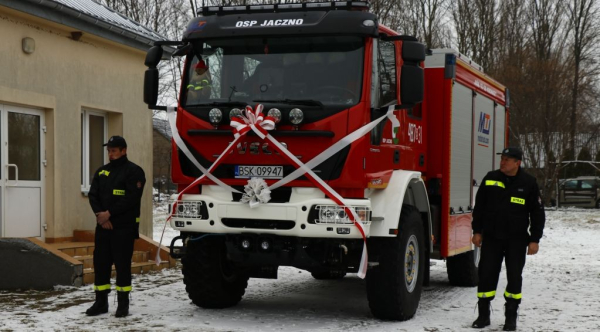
[{"x": 226, "y": 216}]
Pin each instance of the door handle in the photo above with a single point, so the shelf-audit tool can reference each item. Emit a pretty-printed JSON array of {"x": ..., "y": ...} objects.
[{"x": 16, "y": 175}]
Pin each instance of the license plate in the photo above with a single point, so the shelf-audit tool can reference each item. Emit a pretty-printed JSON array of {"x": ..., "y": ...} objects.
[{"x": 265, "y": 172}]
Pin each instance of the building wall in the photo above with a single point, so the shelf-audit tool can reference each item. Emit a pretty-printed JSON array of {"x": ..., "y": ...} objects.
[{"x": 61, "y": 77}]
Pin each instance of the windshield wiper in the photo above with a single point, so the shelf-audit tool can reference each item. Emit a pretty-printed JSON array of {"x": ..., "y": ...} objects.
[
  {"x": 223, "y": 103},
  {"x": 307, "y": 102}
]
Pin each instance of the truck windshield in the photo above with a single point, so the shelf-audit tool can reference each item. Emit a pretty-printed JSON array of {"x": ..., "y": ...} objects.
[{"x": 323, "y": 70}]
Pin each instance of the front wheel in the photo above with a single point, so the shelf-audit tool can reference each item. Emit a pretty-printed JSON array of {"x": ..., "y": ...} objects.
[
  {"x": 211, "y": 281},
  {"x": 394, "y": 286}
]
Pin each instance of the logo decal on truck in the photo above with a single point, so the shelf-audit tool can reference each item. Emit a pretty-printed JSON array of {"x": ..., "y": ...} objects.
[
  {"x": 415, "y": 133},
  {"x": 255, "y": 148},
  {"x": 267, "y": 23},
  {"x": 201, "y": 25},
  {"x": 485, "y": 123}
]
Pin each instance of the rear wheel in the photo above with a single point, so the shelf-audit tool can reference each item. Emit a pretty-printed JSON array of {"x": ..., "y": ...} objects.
[
  {"x": 463, "y": 269},
  {"x": 211, "y": 281},
  {"x": 394, "y": 286}
]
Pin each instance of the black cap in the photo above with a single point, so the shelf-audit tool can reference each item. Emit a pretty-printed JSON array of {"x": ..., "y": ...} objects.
[
  {"x": 116, "y": 142},
  {"x": 513, "y": 152}
]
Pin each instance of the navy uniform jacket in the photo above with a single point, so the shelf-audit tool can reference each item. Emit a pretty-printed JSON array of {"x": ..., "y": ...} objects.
[
  {"x": 117, "y": 187},
  {"x": 509, "y": 207}
]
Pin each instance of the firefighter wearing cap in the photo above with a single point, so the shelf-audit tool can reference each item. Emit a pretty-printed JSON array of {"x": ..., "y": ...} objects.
[
  {"x": 508, "y": 222},
  {"x": 115, "y": 197},
  {"x": 200, "y": 83}
]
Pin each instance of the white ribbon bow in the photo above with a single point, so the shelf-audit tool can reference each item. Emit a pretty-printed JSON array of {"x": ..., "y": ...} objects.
[
  {"x": 256, "y": 192},
  {"x": 252, "y": 120}
]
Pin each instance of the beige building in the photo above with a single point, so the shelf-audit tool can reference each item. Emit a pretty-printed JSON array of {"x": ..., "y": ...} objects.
[{"x": 71, "y": 76}]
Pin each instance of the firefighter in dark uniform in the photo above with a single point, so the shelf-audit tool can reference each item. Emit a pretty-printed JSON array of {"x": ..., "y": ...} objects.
[
  {"x": 115, "y": 196},
  {"x": 508, "y": 222}
]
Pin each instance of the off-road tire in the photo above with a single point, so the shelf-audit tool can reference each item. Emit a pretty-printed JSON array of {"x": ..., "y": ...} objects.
[
  {"x": 394, "y": 286},
  {"x": 463, "y": 269},
  {"x": 328, "y": 275},
  {"x": 210, "y": 280}
]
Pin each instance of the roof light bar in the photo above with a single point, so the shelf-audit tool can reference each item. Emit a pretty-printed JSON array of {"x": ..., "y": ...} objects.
[
  {"x": 329, "y": 5},
  {"x": 262, "y": 7}
]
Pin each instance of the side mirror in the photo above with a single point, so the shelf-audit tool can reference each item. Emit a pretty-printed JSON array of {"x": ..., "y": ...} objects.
[
  {"x": 412, "y": 77},
  {"x": 151, "y": 76},
  {"x": 411, "y": 85},
  {"x": 151, "y": 87},
  {"x": 153, "y": 56}
]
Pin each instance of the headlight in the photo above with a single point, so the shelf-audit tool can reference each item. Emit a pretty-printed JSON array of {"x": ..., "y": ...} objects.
[
  {"x": 296, "y": 116},
  {"x": 334, "y": 214},
  {"x": 215, "y": 116},
  {"x": 275, "y": 114},
  {"x": 190, "y": 210},
  {"x": 236, "y": 112}
]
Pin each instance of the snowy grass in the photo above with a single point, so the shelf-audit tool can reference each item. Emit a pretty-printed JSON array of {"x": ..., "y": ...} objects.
[{"x": 560, "y": 290}]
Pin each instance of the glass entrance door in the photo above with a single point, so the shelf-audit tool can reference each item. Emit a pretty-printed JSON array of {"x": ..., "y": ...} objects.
[{"x": 21, "y": 171}]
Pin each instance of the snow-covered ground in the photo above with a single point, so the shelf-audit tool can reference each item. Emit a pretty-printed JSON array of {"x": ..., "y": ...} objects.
[{"x": 560, "y": 293}]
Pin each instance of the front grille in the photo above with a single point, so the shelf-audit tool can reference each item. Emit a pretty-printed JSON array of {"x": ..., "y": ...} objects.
[
  {"x": 279, "y": 195},
  {"x": 258, "y": 223}
]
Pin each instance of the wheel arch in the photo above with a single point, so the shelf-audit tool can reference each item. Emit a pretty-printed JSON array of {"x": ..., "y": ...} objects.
[{"x": 405, "y": 187}]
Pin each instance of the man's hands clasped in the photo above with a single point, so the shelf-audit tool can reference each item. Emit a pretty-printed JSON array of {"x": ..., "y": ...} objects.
[
  {"x": 103, "y": 219},
  {"x": 532, "y": 248},
  {"x": 476, "y": 239}
]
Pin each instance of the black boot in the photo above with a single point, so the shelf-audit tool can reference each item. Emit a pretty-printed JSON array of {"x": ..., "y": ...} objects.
[
  {"x": 510, "y": 311},
  {"x": 484, "y": 314},
  {"x": 123, "y": 307},
  {"x": 101, "y": 304}
]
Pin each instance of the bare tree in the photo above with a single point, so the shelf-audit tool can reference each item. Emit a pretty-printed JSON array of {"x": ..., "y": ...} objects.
[
  {"x": 537, "y": 80},
  {"x": 585, "y": 30},
  {"x": 424, "y": 19},
  {"x": 476, "y": 29}
]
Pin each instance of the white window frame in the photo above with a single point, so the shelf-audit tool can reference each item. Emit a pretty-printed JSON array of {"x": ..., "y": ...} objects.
[{"x": 85, "y": 153}]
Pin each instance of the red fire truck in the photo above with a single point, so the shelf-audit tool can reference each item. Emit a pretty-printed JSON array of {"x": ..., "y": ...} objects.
[{"x": 392, "y": 141}]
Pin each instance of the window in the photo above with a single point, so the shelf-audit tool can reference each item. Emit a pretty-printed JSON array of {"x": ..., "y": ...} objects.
[
  {"x": 383, "y": 83},
  {"x": 587, "y": 184},
  {"x": 571, "y": 184},
  {"x": 327, "y": 69},
  {"x": 386, "y": 66},
  {"x": 93, "y": 154}
]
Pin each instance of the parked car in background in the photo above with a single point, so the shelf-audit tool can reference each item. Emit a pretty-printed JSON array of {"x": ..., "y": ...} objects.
[{"x": 582, "y": 191}]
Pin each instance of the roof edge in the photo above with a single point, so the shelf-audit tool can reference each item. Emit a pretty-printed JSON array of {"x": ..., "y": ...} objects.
[{"x": 64, "y": 15}]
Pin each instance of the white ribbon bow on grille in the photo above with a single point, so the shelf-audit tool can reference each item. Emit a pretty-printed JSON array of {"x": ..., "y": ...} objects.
[{"x": 256, "y": 192}]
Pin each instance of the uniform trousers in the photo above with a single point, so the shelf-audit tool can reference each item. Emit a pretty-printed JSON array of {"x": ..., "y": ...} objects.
[
  {"x": 493, "y": 251},
  {"x": 113, "y": 247}
]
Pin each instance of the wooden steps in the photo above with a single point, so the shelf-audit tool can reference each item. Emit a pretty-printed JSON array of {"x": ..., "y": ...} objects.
[{"x": 141, "y": 262}]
